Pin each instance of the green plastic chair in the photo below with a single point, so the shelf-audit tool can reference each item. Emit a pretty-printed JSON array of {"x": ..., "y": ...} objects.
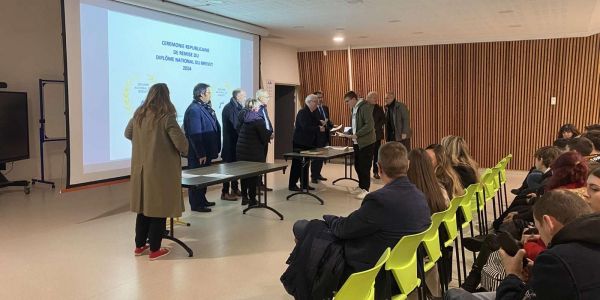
[
  {"x": 451, "y": 226},
  {"x": 403, "y": 264},
  {"x": 450, "y": 220},
  {"x": 467, "y": 205},
  {"x": 361, "y": 285},
  {"x": 431, "y": 240}
]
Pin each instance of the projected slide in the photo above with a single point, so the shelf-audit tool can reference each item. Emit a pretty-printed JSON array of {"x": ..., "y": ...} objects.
[
  {"x": 172, "y": 54},
  {"x": 124, "y": 50}
]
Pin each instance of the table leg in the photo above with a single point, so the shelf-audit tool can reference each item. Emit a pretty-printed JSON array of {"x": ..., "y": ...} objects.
[
  {"x": 171, "y": 236},
  {"x": 347, "y": 169},
  {"x": 263, "y": 204},
  {"x": 305, "y": 191}
]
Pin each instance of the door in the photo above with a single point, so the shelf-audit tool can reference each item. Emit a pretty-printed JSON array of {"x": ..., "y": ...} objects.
[{"x": 285, "y": 114}]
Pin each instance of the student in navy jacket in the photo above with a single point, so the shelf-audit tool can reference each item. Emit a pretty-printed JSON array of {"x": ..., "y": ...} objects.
[
  {"x": 385, "y": 216},
  {"x": 204, "y": 135}
]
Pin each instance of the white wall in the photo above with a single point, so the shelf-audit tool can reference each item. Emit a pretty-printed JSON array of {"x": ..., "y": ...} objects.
[
  {"x": 279, "y": 63},
  {"x": 31, "y": 48}
]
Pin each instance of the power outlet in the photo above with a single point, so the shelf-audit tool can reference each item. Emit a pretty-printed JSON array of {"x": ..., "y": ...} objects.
[{"x": 552, "y": 100}]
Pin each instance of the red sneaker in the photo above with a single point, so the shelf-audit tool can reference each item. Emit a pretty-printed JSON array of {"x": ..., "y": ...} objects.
[
  {"x": 159, "y": 253},
  {"x": 141, "y": 251}
]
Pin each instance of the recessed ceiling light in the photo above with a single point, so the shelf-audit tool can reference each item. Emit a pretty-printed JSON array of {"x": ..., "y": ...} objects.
[
  {"x": 508, "y": 11},
  {"x": 418, "y": 32},
  {"x": 515, "y": 26},
  {"x": 338, "y": 39},
  {"x": 394, "y": 21}
]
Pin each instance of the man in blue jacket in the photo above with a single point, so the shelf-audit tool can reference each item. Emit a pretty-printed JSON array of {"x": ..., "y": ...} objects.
[
  {"x": 204, "y": 135},
  {"x": 385, "y": 216},
  {"x": 230, "y": 136}
]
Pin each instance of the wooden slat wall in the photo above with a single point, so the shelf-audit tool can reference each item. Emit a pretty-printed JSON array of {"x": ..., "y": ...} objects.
[{"x": 496, "y": 95}]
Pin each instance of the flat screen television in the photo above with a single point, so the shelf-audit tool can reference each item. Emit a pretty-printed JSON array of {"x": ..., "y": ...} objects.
[{"x": 14, "y": 127}]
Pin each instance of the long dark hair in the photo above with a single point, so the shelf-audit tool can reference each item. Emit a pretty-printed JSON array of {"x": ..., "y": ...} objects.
[
  {"x": 157, "y": 101},
  {"x": 567, "y": 128},
  {"x": 568, "y": 169},
  {"x": 421, "y": 173}
]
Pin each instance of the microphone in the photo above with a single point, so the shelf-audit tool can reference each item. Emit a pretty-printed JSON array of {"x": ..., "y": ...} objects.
[{"x": 3, "y": 85}]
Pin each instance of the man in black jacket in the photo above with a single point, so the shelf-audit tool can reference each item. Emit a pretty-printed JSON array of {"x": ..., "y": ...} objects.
[
  {"x": 307, "y": 128},
  {"x": 397, "y": 125},
  {"x": 568, "y": 269},
  {"x": 322, "y": 113},
  {"x": 230, "y": 137},
  {"x": 379, "y": 119},
  {"x": 385, "y": 216}
]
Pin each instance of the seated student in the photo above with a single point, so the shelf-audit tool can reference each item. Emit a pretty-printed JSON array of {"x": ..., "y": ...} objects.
[
  {"x": 384, "y": 217},
  {"x": 444, "y": 172},
  {"x": 543, "y": 157},
  {"x": 593, "y": 189},
  {"x": 569, "y": 172},
  {"x": 568, "y": 269},
  {"x": 567, "y": 131},
  {"x": 580, "y": 145},
  {"x": 561, "y": 144},
  {"x": 592, "y": 127},
  {"x": 594, "y": 137},
  {"x": 458, "y": 153},
  {"x": 421, "y": 174}
]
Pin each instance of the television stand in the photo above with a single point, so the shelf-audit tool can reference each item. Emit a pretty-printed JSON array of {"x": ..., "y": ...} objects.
[{"x": 24, "y": 183}]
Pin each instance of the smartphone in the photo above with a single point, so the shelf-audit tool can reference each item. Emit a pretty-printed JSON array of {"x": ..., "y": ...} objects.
[
  {"x": 530, "y": 231},
  {"x": 508, "y": 243}
]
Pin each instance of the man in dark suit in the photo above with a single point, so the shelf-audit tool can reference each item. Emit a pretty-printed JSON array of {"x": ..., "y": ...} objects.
[
  {"x": 322, "y": 112},
  {"x": 397, "y": 125},
  {"x": 203, "y": 132},
  {"x": 306, "y": 130},
  {"x": 379, "y": 120},
  {"x": 230, "y": 137},
  {"x": 384, "y": 217},
  {"x": 264, "y": 98}
]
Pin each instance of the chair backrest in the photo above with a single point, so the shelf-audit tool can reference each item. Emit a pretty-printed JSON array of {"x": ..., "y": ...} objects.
[
  {"x": 489, "y": 184},
  {"x": 449, "y": 219},
  {"x": 469, "y": 201},
  {"x": 403, "y": 262},
  {"x": 360, "y": 285},
  {"x": 431, "y": 239}
]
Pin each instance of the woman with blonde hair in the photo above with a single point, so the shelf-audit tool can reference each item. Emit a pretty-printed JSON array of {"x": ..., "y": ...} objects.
[
  {"x": 457, "y": 152},
  {"x": 253, "y": 137},
  {"x": 157, "y": 146},
  {"x": 444, "y": 172}
]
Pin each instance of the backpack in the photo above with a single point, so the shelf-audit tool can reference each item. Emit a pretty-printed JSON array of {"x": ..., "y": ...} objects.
[{"x": 316, "y": 265}]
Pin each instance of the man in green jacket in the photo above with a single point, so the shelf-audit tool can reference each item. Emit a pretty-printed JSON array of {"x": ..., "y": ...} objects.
[{"x": 363, "y": 140}]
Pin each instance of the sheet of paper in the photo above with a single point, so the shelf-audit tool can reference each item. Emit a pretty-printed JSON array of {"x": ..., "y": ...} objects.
[
  {"x": 186, "y": 175},
  {"x": 217, "y": 175},
  {"x": 336, "y": 128}
]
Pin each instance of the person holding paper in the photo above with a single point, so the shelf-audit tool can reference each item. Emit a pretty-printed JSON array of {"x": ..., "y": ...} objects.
[
  {"x": 322, "y": 112},
  {"x": 155, "y": 183},
  {"x": 203, "y": 132},
  {"x": 363, "y": 140},
  {"x": 306, "y": 130},
  {"x": 252, "y": 139}
]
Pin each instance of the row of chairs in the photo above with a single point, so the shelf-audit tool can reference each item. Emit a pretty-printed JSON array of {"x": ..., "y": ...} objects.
[{"x": 404, "y": 260}]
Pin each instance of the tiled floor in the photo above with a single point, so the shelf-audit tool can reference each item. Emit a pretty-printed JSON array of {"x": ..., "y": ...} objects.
[{"x": 79, "y": 245}]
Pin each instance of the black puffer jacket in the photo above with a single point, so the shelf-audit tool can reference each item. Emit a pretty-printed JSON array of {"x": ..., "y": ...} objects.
[
  {"x": 253, "y": 137},
  {"x": 568, "y": 269}
]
